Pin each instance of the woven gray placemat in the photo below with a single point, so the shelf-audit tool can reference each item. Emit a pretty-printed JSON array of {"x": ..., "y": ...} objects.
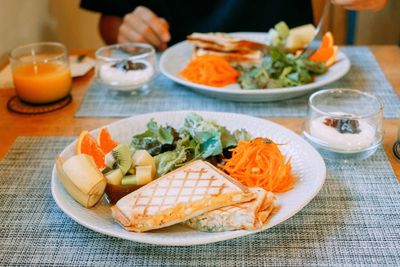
[
  {"x": 365, "y": 74},
  {"x": 354, "y": 220}
]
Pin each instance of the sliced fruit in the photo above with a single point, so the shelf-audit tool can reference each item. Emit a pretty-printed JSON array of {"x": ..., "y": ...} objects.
[
  {"x": 105, "y": 141},
  {"x": 327, "y": 40},
  {"x": 327, "y": 51},
  {"x": 143, "y": 158},
  {"x": 142, "y": 177},
  {"x": 109, "y": 160},
  {"x": 129, "y": 180},
  {"x": 81, "y": 179},
  {"x": 300, "y": 36},
  {"x": 144, "y": 174},
  {"x": 122, "y": 156},
  {"x": 132, "y": 169},
  {"x": 332, "y": 59},
  {"x": 87, "y": 144},
  {"x": 323, "y": 54},
  {"x": 114, "y": 177},
  {"x": 105, "y": 170}
]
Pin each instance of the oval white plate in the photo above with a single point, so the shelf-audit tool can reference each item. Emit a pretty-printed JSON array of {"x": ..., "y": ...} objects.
[
  {"x": 307, "y": 165},
  {"x": 175, "y": 58}
]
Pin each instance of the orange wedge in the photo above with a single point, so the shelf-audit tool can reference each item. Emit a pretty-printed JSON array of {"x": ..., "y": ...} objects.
[
  {"x": 327, "y": 51},
  {"x": 87, "y": 144},
  {"x": 327, "y": 40},
  {"x": 105, "y": 141}
]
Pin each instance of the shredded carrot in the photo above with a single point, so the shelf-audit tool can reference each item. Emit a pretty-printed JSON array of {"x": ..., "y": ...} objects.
[
  {"x": 210, "y": 70},
  {"x": 259, "y": 162}
]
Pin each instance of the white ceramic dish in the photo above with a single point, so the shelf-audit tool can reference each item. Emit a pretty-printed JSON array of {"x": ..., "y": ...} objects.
[
  {"x": 175, "y": 58},
  {"x": 79, "y": 69},
  {"x": 307, "y": 165}
]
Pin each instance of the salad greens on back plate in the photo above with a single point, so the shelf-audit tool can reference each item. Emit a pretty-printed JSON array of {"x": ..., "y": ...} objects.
[
  {"x": 197, "y": 139},
  {"x": 279, "y": 69}
]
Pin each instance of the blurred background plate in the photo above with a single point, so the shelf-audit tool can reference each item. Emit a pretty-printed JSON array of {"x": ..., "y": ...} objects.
[{"x": 175, "y": 58}]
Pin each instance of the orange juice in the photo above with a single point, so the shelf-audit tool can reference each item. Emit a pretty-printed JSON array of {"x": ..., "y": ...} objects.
[{"x": 42, "y": 83}]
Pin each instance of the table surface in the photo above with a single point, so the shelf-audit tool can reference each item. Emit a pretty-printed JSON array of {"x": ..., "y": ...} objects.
[{"x": 63, "y": 122}]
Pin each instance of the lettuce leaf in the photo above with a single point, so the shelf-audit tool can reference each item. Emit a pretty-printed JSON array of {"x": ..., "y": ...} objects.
[
  {"x": 153, "y": 138},
  {"x": 198, "y": 139},
  {"x": 242, "y": 134},
  {"x": 206, "y": 133},
  {"x": 169, "y": 161}
]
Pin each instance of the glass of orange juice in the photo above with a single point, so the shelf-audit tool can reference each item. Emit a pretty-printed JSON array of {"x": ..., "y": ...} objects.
[{"x": 41, "y": 72}]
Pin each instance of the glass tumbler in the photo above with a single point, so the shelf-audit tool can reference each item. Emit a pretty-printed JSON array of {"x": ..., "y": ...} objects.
[
  {"x": 344, "y": 123},
  {"x": 41, "y": 72}
]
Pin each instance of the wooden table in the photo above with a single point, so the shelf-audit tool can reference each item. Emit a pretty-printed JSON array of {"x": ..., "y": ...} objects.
[{"x": 63, "y": 123}]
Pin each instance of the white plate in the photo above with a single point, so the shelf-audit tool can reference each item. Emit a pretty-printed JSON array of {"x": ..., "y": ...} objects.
[
  {"x": 79, "y": 69},
  {"x": 175, "y": 58},
  {"x": 307, "y": 165}
]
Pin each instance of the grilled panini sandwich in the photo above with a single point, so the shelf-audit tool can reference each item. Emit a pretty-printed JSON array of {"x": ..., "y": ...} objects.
[
  {"x": 247, "y": 216},
  {"x": 233, "y": 49},
  {"x": 250, "y": 56},
  {"x": 223, "y": 42},
  {"x": 187, "y": 192}
]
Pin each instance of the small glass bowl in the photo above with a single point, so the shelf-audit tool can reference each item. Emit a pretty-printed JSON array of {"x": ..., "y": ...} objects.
[
  {"x": 344, "y": 124},
  {"x": 126, "y": 67}
]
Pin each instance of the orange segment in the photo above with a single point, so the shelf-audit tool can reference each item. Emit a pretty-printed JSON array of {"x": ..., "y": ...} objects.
[
  {"x": 322, "y": 54},
  {"x": 105, "y": 141},
  {"x": 87, "y": 144},
  {"x": 329, "y": 62},
  {"x": 327, "y": 51},
  {"x": 327, "y": 40}
]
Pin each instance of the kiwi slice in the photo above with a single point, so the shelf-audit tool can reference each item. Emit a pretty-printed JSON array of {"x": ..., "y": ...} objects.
[
  {"x": 123, "y": 159},
  {"x": 106, "y": 170},
  {"x": 110, "y": 161},
  {"x": 129, "y": 180}
]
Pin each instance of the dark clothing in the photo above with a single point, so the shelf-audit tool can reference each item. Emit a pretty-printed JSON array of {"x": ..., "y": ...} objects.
[{"x": 185, "y": 17}]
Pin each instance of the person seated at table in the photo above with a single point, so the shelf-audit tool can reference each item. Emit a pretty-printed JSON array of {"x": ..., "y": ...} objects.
[{"x": 162, "y": 23}]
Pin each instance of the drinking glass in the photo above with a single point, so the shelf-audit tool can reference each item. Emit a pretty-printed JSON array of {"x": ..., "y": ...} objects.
[{"x": 41, "y": 72}]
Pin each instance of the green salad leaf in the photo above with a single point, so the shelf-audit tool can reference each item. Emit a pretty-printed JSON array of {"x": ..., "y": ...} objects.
[
  {"x": 206, "y": 133},
  {"x": 280, "y": 70},
  {"x": 227, "y": 138},
  {"x": 169, "y": 161},
  {"x": 153, "y": 138},
  {"x": 242, "y": 134},
  {"x": 197, "y": 139}
]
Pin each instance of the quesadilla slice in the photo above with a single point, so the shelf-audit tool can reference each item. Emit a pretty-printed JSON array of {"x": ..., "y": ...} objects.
[
  {"x": 187, "y": 192},
  {"x": 224, "y": 42},
  {"x": 244, "y": 216},
  {"x": 250, "y": 56}
]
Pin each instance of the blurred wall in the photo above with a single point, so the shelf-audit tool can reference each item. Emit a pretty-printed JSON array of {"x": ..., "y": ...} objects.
[
  {"x": 22, "y": 21},
  {"x": 75, "y": 27},
  {"x": 26, "y": 21},
  {"x": 382, "y": 27}
]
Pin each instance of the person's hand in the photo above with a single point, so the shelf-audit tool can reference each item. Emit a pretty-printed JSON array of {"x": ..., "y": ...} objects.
[
  {"x": 361, "y": 4},
  {"x": 142, "y": 25}
]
